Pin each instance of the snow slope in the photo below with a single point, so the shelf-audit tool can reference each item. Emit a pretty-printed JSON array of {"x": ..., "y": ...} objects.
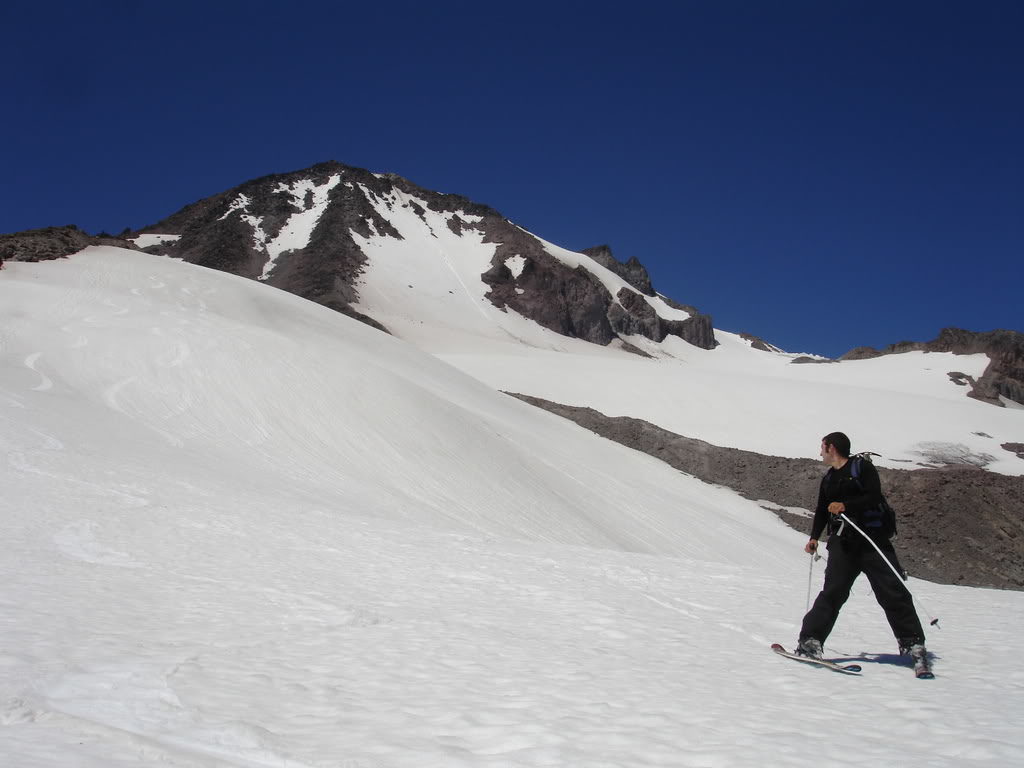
[
  {"x": 426, "y": 288},
  {"x": 902, "y": 406},
  {"x": 243, "y": 530}
]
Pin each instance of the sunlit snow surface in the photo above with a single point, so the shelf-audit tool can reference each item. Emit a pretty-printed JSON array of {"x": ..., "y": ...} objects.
[
  {"x": 243, "y": 530},
  {"x": 903, "y": 407}
]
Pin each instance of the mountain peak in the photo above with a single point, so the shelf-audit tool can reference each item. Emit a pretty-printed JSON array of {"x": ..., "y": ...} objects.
[{"x": 332, "y": 233}]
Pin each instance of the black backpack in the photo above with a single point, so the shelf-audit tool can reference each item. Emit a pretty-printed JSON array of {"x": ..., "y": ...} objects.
[{"x": 880, "y": 521}]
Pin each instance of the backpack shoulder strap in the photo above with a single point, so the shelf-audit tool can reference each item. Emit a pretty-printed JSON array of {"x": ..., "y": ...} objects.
[{"x": 855, "y": 467}]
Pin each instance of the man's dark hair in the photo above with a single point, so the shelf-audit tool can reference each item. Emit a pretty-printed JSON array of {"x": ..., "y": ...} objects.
[{"x": 839, "y": 441}]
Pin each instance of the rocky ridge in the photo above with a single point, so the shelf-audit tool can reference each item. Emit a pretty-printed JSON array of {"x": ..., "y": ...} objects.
[{"x": 52, "y": 243}]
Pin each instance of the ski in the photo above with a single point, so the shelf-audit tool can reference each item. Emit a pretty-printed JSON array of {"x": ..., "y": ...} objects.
[{"x": 846, "y": 669}]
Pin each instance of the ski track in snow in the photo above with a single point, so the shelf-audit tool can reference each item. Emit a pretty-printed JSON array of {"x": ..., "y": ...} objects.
[{"x": 250, "y": 532}]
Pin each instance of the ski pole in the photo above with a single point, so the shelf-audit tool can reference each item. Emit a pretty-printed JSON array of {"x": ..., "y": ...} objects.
[
  {"x": 933, "y": 621},
  {"x": 810, "y": 577}
]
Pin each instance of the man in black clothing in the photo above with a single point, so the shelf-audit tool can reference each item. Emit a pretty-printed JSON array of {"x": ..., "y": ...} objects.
[{"x": 850, "y": 554}]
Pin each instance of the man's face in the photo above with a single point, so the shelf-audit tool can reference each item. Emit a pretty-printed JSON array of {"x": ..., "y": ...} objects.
[{"x": 826, "y": 455}]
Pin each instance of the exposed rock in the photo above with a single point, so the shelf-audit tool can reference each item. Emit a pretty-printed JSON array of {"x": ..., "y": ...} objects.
[
  {"x": 1017, "y": 448},
  {"x": 230, "y": 232},
  {"x": 697, "y": 330},
  {"x": 805, "y": 360},
  {"x": 632, "y": 271},
  {"x": 572, "y": 302},
  {"x": 960, "y": 379},
  {"x": 862, "y": 353},
  {"x": 1004, "y": 375},
  {"x": 52, "y": 243},
  {"x": 957, "y": 525},
  {"x": 634, "y": 316},
  {"x": 758, "y": 343}
]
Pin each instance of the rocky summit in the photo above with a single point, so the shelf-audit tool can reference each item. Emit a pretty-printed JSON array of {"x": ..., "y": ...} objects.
[{"x": 306, "y": 232}]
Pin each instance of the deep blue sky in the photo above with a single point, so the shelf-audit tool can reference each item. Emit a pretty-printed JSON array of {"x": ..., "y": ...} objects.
[{"x": 822, "y": 174}]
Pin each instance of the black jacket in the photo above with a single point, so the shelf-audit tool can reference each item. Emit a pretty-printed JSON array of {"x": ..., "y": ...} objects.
[{"x": 859, "y": 496}]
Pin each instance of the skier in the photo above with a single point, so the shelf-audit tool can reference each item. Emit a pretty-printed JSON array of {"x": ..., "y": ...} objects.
[{"x": 850, "y": 554}]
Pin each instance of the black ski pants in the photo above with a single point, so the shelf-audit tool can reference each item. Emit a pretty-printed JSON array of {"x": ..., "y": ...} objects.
[{"x": 847, "y": 559}]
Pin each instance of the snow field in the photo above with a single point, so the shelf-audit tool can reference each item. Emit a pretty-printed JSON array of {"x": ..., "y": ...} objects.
[
  {"x": 902, "y": 406},
  {"x": 319, "y": 638},
  {"x": 242, "y": 530}
]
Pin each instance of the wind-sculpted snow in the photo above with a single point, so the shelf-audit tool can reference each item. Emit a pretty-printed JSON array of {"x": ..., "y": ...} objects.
[{"x": 243, "y": 530}]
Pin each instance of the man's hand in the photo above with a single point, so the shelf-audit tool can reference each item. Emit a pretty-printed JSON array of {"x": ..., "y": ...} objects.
[
  {"x": 837, "y": 507},
  {"x": 811, "y": 547}
]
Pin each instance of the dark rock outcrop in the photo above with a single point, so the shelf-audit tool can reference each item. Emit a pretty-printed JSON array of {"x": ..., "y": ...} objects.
[
  {"x": 1004, "y": 375},
  {"x": 52, "y": 243},
  {"x": 756, "y": 342},
  {"x": 572, "y": 302},
  {"x": 805, "y": 360},
  {"x": 697, "y": 330},
  {"x": 957, "y": 525},
  {"x": 632, "y": 271},
  {"x": 634, "y": 316}
]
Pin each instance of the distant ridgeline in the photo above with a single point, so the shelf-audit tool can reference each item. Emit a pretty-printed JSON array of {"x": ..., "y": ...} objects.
[{"x": 52, "y": 243}]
